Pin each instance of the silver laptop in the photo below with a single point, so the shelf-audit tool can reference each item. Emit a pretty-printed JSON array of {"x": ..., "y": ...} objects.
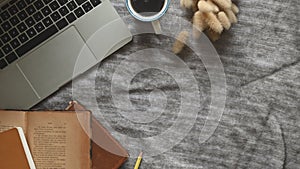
[{"x": 41, "y": 40}]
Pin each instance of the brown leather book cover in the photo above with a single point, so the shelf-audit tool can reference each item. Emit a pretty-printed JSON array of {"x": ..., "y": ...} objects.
[
  {"x": 14, "y": 151},
  {"x": 102, "y": 141},
  {"x": 56, "y": 139}
]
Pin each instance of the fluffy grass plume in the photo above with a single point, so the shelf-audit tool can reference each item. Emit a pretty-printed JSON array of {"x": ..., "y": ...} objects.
[
  {"x": 180, "y": 42},
  {"x": 213, "y": 35},
  {"x": 224, "y": 4},
  {"x": 231, "y": 16},
  {"x": 224, "y": 20},
  {"x": 203, "y": 6},
  {"x": 213, "y": 22},
  {"x": 199, "y": 24},
  {"x": 186, "y": 3}
]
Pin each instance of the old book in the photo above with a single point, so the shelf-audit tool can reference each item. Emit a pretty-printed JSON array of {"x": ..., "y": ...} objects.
[
  {"x": 56, "y": 139},
  {"x": 107, "y": 152},
  {"x": 14, "y": 150}
]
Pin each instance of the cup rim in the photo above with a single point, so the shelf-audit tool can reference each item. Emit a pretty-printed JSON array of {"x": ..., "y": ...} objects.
[{"x": 147, "y": 18}]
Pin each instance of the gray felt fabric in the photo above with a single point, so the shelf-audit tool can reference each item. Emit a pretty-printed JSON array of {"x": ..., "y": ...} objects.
[{"x": 260, "y": 127}]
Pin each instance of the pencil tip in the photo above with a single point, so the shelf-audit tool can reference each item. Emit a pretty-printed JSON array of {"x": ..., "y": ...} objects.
[{"x": 141, "y": 154}]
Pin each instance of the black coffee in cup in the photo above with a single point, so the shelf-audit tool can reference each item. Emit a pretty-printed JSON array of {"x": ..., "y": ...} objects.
[
  {"x": 147, "y": 6},
  {"x": 147, "y": 10}
]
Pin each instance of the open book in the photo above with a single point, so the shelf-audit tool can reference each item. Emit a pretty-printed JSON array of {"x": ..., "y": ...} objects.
[
  {"x": 57, "y": 139},
  {"x": 14, "y": 151}
]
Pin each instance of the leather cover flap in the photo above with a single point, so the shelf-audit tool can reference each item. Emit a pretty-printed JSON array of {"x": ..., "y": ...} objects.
[
  {"x": 101, "y": 158},
  {"x": 12, "y": 153}
]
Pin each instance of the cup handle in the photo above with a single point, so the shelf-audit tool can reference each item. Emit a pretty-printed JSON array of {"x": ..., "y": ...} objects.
[{"x": 156, "y": 27}]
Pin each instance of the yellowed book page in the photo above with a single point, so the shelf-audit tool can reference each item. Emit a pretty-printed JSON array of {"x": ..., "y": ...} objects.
[
  {"x": 58, "y": 139},
  {"x": 11, "y": 119}
]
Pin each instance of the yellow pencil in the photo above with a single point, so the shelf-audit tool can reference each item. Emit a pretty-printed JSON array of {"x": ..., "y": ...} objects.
[{"x": 138, "y": 161}]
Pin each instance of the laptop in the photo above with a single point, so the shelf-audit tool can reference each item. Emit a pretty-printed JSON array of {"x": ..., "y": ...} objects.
[{"x": 41, "y": 40}]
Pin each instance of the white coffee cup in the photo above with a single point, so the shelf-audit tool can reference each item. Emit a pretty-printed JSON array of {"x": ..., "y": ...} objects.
[{"x": 147, "y": 10}]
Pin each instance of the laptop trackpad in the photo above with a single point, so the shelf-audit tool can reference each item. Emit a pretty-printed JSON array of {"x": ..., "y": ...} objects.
[{"x": 52, "y": 65}]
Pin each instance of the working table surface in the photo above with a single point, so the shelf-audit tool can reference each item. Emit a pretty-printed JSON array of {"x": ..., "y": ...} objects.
[{"x": 260, "y": 126}]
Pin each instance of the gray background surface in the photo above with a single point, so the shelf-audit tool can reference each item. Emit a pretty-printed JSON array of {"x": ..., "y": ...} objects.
[{"x": 260, "y": 127}]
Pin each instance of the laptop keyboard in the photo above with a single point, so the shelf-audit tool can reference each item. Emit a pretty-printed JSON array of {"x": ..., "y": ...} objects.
[{"x": 24, "y": 24}]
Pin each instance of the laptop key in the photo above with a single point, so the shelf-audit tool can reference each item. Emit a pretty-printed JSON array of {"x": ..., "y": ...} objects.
[
  {"x": 79, "y": 12},
  {"x": 29, "y": 1},
  {"x": 1, "y": 31},
  {"x": 31, "y": 32},
  {"x": 21, "y": 4},
  {"x": 7, "y": 49},
  {"x": 11, "y": 57},
  {"x": 54, "y": 5},
  {"x": 36, "y": 40},
  {"x": 79, "y": 2},
  {"x": 23, "y": 38},
  {"x": 29, "y": 22},
  {"x": 6, "y": 26},
  {"x": 63, "y": 11},
  {"x": 71, "y": 17},
  {"x": 15, "y": 43},
  {"x": 14, "y": 20},
  {"x": 5, "y": 38},
  {"x": 95, "y": 2},
  {"x": 3, "y": 64},
  {"x": 39, "y": 27},
  {"x": 4, "y": 15},
  {"x": 13, "y": 33},
  {"x": 46, "y": 10},
  {"x": 1, "y": 54},
  {"x": 87, "y": 6},
  {"x": 22, "y": 27},
  {"x": 30, "y": 10},
  {"x": 62, "y": 23},
  {"x": 55, "y": 16},
  {"x": 13, "y": 10},
  {"x": 22, "y": 15},
  {"x": 12, "y": 2},
  {"x": 47, "y": 21},
  {"x": 39, "y": 4},
  {"x": 47, "y": 1},
  {"x": 62, "y": 2},
  {"x": 38, "y": 16},
  {"x": 71, "y": 5}
]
